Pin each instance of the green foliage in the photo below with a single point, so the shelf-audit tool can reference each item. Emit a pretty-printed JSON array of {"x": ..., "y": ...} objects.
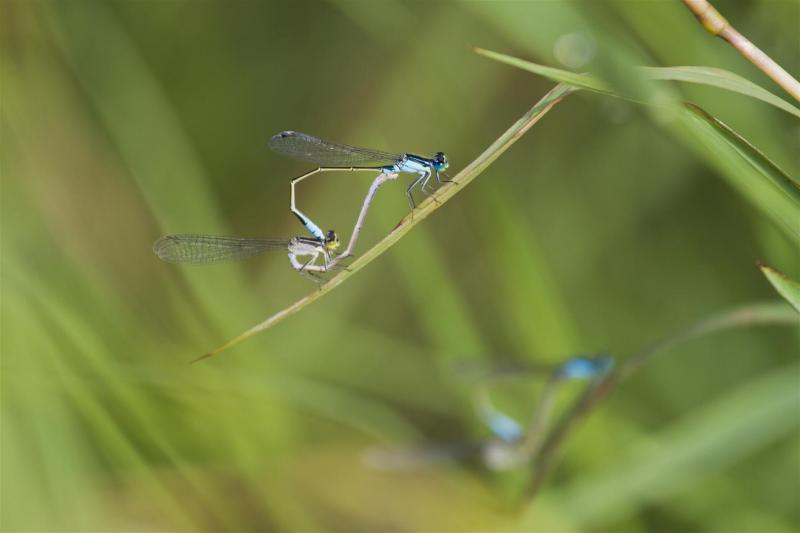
[
  {"x": 760, "y": 180},
  {"x": 690, "y": 449},
  {"x": 601, "y": 229}
]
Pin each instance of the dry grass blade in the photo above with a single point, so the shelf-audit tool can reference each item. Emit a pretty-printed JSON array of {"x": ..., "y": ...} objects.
[
  {"x": 717, "y": 25},
  {"x": 447, "y": 191}
]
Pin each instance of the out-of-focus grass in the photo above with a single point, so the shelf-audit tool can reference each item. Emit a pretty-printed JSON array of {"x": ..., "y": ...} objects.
[
  {"x": 758, "y": 178},
  {"x": 122, "y": 121},
  {"x": 691, "y": 449}
]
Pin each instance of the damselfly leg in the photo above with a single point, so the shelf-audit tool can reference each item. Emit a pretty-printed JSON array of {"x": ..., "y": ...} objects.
[{"x": 304, "y": 219}]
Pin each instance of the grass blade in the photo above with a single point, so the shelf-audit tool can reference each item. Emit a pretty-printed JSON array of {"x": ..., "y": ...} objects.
[
  {"x": 712, "y": 77},
  {"x": 786, "y": 286},
  {"x": 447, "y": 191},
  {"x": 753, "y": 155},
  {"x": 761, "y": 181},
  {"x": 583, "y": 81},
  {"x": 722, "y": 79}
]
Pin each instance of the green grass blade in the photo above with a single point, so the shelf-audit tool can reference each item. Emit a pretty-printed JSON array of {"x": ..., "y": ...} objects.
[
  {"x": 713, "y": 77},
  {"x": 583, "y": 81},
  {"x": 786, "y": 286},
  {"x": 722, "y": 79},
  {"x": 765, "y": 166},
  {"x": 761, "y": 181},
  {"x": 447, "y": 191}
]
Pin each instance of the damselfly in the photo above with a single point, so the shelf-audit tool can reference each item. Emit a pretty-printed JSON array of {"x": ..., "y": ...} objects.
[
  {"x": 512, "y": 444},
  {"x": 333, "y": 157},
  {"x": 203, "y": 249}
]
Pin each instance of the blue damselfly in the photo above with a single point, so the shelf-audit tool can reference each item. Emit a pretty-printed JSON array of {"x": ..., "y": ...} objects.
[
  {"x": 512, "y": 444},
  {"x": 333, "y": 157}
]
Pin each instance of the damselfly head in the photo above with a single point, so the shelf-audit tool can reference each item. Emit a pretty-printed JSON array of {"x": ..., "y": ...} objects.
[
  {"x": 331, "y": 240},
  {"x": 440, "y": 161}
]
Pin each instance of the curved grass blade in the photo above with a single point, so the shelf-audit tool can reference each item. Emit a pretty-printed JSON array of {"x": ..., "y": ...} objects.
[
  {"x": 722, "y": 79},
  {"x": 582, "y": 81},
  {"x": 753, "y": 155},
  {"x": 713, "y": 77},
  {"x": 786, "y": 286},
  {"x": 442, "y": 195},
  {"x": 761, "y": 181}
]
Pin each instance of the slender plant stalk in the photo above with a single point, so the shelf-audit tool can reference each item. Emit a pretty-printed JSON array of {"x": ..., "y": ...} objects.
[
  {"x": 442, "y": 195},
  {"x": 534, "y": 437},
  {"x": 759, "y": 314},
  {"x": 717, "y": 25}
]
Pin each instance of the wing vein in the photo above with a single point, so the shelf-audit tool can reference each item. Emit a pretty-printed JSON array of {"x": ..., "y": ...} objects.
[
  {"x": 199, "y": 249},
  {"x": 325, "y": 153}
]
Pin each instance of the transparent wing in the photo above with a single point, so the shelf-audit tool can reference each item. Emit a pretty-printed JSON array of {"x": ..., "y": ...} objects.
[
  {"x": 577, "y": 367},
  {"x": 325, "y": 153},
  {"x": 202, "y": 249}
]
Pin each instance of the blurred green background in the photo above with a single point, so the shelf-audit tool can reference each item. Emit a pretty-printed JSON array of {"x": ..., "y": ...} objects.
[{"x": 599, "y": 230}]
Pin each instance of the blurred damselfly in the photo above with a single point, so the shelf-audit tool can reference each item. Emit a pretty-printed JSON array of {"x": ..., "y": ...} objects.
[{"x": 512, "y": 444}]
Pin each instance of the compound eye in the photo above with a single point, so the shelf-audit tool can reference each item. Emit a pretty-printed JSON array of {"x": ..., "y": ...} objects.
[{"x": 331, "y": 236}]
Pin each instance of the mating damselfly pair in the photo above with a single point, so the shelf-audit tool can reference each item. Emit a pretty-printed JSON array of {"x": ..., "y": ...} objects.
[
  {"x": 330, "y": 157},
  {"x": 511, "y": 443}
]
